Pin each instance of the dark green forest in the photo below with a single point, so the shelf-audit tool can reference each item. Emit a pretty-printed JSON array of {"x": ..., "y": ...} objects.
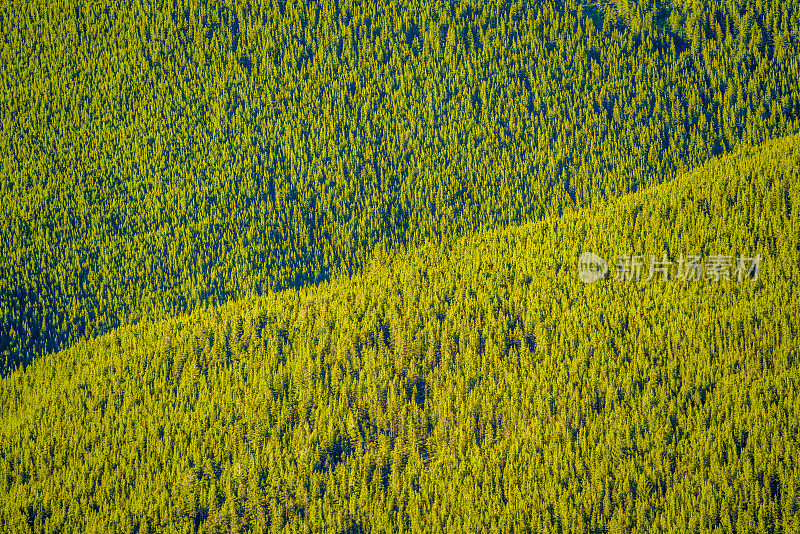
[
  {"x": 472, "y": 386},
  {"x": 161, "y": 157}
]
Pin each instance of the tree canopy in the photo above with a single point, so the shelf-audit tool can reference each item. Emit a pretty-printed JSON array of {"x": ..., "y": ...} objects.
[
  {"x": 160, "y": 156},
  {"x": 472, "y": 385}
]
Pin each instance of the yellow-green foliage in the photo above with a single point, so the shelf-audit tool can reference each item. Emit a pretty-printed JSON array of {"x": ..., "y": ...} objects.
[
  {"x": 156, "y": 156},
  {"x": 471, "y": 386}
]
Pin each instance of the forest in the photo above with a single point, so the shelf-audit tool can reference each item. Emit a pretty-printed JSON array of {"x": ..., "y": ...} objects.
[
  {"x": 315, "y": 266},
  {"x": 475, "y": 387},
  {"x": 157, "y": 157}
]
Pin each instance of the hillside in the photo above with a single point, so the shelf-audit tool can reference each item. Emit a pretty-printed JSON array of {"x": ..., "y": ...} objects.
[
  {"x": 160, "y": 156},
  {"x": 476, "y": 385}
]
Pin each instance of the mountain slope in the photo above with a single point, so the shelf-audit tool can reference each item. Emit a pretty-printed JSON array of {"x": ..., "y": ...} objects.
[
  {"x": 472, "y": 386},
  {"x": 156, "y": 156}
]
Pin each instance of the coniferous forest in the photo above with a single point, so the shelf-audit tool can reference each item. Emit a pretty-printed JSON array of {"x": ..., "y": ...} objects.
[
  {"x": 293, "y": 266},
  {"x": 161, "y": 156}
]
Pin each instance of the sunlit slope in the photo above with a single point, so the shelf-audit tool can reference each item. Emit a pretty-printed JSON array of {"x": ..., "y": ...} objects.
[
  {"x": 158, "y": 155},
  {"x": 476, "y": 386}
]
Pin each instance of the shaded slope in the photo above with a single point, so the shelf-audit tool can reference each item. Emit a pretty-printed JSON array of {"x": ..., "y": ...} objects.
[{"x": 159, "y": 155}]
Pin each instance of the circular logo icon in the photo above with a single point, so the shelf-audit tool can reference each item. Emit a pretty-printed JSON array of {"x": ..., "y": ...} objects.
[{"x": 591, "y": 267}]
